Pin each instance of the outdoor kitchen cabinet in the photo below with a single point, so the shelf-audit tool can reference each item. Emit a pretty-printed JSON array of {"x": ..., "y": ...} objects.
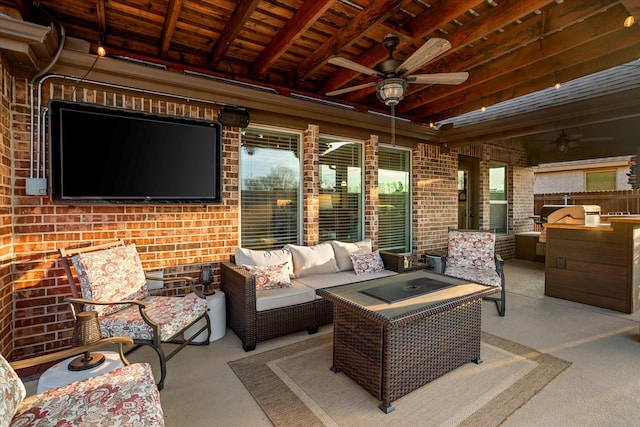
[{"x": 595, "y": 265}]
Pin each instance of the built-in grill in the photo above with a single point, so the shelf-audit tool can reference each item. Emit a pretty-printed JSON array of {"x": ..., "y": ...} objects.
[{"x": 588, "y": 215}]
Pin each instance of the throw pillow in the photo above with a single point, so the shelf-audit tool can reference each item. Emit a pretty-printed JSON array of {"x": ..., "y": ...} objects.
[
  {"x": 344, "y": 249},
  {"x": 270, "y": 276},
  {"x": 367, "y": 263},
  {"x": 310, "y": 260},
  {"x": 266, "y": 257}
]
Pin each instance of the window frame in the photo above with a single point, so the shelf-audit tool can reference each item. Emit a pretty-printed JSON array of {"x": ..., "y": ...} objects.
[
  {"x": 323, "y": 137},
  {"x": 299, "y": 212},
  {"x": 502, "y": 202},
  {"x": 409, "y": 247}
]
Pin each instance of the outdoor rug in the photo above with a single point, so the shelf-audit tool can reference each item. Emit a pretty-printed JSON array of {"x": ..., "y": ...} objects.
[{"x": 295, "y": 387}]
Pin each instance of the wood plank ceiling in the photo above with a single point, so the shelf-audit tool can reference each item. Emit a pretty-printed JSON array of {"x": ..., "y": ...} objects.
[{"x": 509, "y": 48}]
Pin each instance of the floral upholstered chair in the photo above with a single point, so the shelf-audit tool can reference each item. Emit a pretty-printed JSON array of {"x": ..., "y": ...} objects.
[
  {"x": 113, "y": 283},
  {"x": 126, "y": 396},
  {"x": 472, "y": 256}
]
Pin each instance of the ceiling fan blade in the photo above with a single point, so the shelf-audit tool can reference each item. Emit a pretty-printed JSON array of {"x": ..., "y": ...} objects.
[
  {"x": 350, "y": 89},
  {"x": 347, "y": 63},
  {"x": 432, "y": 48},
  {"x": 441, "y": 78},
  {"x": 596, "y": 139}
]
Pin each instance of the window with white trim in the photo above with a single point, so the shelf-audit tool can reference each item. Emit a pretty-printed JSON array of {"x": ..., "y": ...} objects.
[
  {"x": 600, "y": 180},
  {"x": 270, "y": 188},
  {"x": 340, "y": 197},
  {"x": 498, "y": 198},
  {"x": 394, "y": 198}
]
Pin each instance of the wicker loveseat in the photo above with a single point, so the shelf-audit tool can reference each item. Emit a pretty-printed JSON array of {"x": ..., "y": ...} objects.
[{"x": 257, "y": 313}]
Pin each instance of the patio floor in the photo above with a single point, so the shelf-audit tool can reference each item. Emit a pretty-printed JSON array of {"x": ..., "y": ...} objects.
[{"x": 602, "y": 387}]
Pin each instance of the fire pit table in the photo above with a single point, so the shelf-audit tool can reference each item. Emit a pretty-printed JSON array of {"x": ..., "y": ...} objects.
[{"x": 391, "y": 345}]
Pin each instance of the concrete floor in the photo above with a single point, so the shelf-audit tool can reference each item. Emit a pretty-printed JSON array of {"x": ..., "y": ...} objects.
[{"x": 601, "y": 388}]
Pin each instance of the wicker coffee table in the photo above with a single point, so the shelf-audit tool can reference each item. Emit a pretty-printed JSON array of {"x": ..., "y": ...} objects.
[{"x": 391, "y": 349}]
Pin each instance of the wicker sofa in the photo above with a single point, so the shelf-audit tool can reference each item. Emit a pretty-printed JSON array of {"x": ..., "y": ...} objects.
[{"x": 260, "y": 314}]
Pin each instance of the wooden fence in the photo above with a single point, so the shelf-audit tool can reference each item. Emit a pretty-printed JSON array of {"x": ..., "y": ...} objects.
[{"x": 610, "y": 202}]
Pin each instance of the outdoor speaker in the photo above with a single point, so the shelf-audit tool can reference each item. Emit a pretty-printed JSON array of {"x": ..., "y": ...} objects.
[{"x": 234, "y": 117}]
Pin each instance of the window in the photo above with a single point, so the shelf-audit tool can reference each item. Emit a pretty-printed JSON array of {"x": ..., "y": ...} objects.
[
  {"x": 270, "y": 188},
  {"x": 340, "y": 190},
  {"x": 498, "y": 209},
  {"x": 394, "y": 196},
  {"x": 600, "y": 180}
]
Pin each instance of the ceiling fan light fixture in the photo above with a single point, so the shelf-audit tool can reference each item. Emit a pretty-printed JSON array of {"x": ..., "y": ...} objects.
[{"x": 391, "y": 91}]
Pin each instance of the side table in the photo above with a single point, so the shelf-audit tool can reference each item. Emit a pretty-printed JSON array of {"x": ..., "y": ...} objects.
[
  {"x": 217, "y": 316},
  {"x": 58, "y": 375}
]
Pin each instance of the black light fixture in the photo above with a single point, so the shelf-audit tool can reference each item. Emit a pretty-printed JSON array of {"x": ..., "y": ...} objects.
[
  {"x": 234, "y": 117},
  {"x": 86, "y": 331},
  {"x": 206, "y": 279}
]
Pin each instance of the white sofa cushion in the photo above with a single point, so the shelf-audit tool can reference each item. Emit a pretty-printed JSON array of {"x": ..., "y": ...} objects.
[
  {"x": 310, "y": 260},
  {"x": 264, "y": 258},
  {"x": 284, "y": 297},
  {"x": 320, "y": 281},
  {"x": 342, "y": 251}
]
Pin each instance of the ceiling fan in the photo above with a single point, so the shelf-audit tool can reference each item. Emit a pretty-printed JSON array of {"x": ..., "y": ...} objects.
[
  {"x": 565, "y": 141},
  {"x": 395, "y": 75}
]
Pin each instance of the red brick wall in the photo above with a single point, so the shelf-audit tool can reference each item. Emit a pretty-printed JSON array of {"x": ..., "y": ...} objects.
[
  {"x": 435, "y": 196},
  {"x": 175, "y": 238},
  {"x": 179, "y": 238},
  {"x": 6, "y": 244}
]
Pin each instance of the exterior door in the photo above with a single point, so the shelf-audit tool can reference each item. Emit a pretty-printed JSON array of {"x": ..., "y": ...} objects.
[{"x": 468, "y": 195}]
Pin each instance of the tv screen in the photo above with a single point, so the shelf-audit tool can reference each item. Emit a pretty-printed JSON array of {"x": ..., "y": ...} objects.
[{"x": 108, "y": 155}]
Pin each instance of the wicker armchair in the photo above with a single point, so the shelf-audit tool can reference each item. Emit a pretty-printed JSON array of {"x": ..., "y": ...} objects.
[
  {"x": 111, "y": 395},
  {"x": 112, "y": 282},
  {"x": 471, "y": 256}
]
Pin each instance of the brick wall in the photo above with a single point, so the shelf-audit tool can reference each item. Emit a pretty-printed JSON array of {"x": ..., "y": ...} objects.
[
  {"x": 178, "y": 239},
  {"x": 175, "y": 238},
  {"x": 6, "y": 244}
]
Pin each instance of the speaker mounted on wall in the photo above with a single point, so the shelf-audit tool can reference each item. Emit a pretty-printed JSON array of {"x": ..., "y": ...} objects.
[{"x": 234, "y": 117}]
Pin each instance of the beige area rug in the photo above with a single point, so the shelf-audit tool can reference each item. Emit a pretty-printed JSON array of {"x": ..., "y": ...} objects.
[{"x": 295, "y": 387}]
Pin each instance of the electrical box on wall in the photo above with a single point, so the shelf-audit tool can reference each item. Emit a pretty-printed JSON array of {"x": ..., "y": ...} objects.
[{"x": 36, "y": 187}]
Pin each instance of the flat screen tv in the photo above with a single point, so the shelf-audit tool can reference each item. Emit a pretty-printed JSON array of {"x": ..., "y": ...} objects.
[{"x": 107, "y": 155}]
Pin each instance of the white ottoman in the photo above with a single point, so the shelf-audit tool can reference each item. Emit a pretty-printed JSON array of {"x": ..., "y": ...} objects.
[{"x": 217, "y": 316}]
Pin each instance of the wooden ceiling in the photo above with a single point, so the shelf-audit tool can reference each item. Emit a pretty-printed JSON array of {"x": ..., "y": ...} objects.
[{"x": 509, "y": 48}]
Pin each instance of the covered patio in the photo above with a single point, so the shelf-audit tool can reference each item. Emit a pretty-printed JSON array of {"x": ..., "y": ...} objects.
[{"x": 601, "y": 387}]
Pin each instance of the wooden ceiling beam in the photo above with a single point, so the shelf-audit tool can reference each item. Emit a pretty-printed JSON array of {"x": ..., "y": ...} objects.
[
  {"x": 558, "y": 20},
  {"x": 521, "y": 84},
  {"x": 545, "y": 56},
  {"x": 102, "y": 18},
  {"x": 353, "y": 31},
  {"x": 238, "y": 18},
  {"x": 304, "y": 18},
  {"x": 173, "y": 12}
]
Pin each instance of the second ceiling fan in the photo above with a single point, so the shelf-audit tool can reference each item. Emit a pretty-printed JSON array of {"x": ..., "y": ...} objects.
[{"x": 395, "y": 75}]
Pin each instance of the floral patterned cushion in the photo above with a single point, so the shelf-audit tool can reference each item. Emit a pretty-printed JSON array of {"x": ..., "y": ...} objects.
[
  {"x": 270, "y": 276},
  {"x": 112, "y": 274},
  {"x": 173, "y": 314},
  {"x": 471, "y": 249},
  {"x": 126, "y": 396},
  {"x": 367, "y": 263},
  {"x": 12, "y": 392},
  {"x": 476, "y": 275}
]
